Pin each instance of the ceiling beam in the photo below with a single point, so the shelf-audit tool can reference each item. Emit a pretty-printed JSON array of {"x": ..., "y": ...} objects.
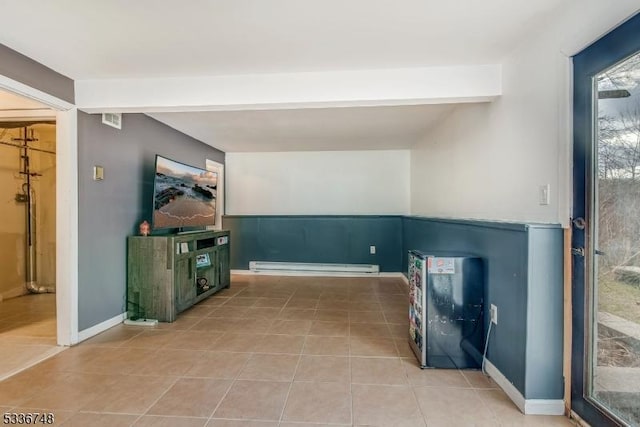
[{"x": 384, "y": 87}]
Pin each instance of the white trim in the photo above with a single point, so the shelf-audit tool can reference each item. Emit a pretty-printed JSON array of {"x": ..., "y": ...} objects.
[
  {"x": 67, "y": 226},
  {"x": 212, "y": 165},
  {"x": 101, "y": 327},
  {"x": 34, "y": 94},
  {"x": 526, "y": 406},
  {"x": 66, "y": 207}
]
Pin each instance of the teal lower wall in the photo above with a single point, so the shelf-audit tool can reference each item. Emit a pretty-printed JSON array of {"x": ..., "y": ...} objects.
[{"x": 320, "y": 239}]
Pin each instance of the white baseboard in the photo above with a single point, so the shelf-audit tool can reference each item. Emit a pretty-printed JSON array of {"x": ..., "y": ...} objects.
[
  {"x": 101, "y": 327},
  {"x": 526, "y": 406},
  {"x": 316, "y": 267},
  {"x": 315, "y": 274}
]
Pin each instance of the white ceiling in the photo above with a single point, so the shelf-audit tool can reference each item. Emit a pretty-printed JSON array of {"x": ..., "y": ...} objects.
[
  {"x": 311, "y": 129},
  {"x": 169, "y": 38}
]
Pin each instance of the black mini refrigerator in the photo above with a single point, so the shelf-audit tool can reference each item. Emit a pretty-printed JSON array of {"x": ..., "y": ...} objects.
[{"x": 446, "y": 295}]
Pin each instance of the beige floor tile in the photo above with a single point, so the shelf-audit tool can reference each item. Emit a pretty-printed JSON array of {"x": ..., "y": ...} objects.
[
  {"x": 167, "y": 362},
  {"x": 199, "y": 310},
  {"x": 332, "y": 315},
  {"x": 215, "y": 300},
  {"x": 398, "y": 330},
  {"x": 254, "y": 326},
  {"x": 396, "y": 316},
  {"x": 453, "y": 406},
  {"x": 229, "y": 312},
  {"x": 99, "y": 420},
  {"x": 223, "y": 365},
  {"x": 152, "y": 339},
  {"x": 373, "y": 370},
  {"x": 379, "y": 330},
  {"x": 239, "y": 301},
  {"x": 297, "y": 314},
  {"x": 70, "y": 393},
  {"x": 327, "y": 304},
  {"x": 273, "y": 367},
  {"x": 433, "y": 377},
  {"x": 372, "y": 346},
  {"x": 255, "y": 400},
  {"x": 330, "y": 329},
  {"x": 219, "y": 324},
  {"x": 20, "y": 387},
  {"x": 404, "y": 349},
  {"x": 72, "y": 358},
  {"x": 271, "y": 302},
  {"x": 161, "y": 421},
  {"x": 193, "y": 397},
  {"x": 328, "y": 346},
  {"x": 237, "y": 342},
  {"x": 241, "y": 423},
  {"x": 297, "y": 424},
  {"x": 262, "y": 313},
  {"x": 323, "y": 368},
  {"x": 118, "y": 360},
  {"x": 193, "y": 340},
  {"x": 368, "y": 317},
  {"x": 319, "y": 403},
  {"x": 291, "y": 344},
  {"x": 479, "y": 380},
  {"x": 129, "y": 394},
  {"x": 378, "y": 405},
  {"x": 290, "y": 327},
  {"x": 302, "y": 303}
]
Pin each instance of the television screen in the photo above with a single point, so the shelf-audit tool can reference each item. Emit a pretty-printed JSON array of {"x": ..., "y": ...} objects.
[{"x": 183, "y": 196}]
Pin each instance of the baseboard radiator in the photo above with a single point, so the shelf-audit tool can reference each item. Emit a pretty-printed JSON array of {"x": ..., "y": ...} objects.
[{"x": 312, "y": 268}]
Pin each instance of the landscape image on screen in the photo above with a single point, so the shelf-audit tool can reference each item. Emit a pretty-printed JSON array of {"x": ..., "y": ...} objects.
[{"x": 184, "y": 196}]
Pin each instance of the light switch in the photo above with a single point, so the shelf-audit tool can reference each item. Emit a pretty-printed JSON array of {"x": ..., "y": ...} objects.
[
  {"x": 98, "y": 173},
  {"x": 543, "y": 194}
]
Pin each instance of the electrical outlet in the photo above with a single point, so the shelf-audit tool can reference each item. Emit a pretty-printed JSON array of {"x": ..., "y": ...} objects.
[
  {"x": 494, "y": 314},
  {"x": 372, "y": 250}
]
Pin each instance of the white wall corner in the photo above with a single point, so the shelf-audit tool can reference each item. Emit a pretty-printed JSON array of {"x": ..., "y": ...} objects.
[{"x": 526, "y": 406}]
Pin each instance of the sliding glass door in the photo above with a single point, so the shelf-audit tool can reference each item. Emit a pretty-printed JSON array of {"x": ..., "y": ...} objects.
[{"x": 606, "y": 229}]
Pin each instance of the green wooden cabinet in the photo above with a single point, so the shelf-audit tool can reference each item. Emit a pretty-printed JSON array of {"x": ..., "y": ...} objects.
[{"x": 168, "y": 274}]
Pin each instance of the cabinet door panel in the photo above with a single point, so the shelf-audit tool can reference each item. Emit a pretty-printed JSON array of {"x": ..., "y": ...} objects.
[{"x": 185, "y": 283}]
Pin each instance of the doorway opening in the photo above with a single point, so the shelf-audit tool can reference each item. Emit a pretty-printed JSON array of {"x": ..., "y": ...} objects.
[{"x": 28, "y": 322}]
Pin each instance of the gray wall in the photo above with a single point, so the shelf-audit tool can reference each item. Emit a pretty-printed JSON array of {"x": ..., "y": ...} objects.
[
  {"x": 25, "y": 70},
  {"x": 315, "y": 238},
  {"x": 524, "y": 279},
  {"x": 110, "y": 210}
]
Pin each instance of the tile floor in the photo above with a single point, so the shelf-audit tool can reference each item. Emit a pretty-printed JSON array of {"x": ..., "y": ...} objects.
[
  {"x": 270, "y": 351},
  {"x": 27, "y": 332}
]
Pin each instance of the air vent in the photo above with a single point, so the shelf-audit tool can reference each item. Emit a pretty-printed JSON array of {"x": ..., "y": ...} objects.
[{"x": 112, "y": 119}]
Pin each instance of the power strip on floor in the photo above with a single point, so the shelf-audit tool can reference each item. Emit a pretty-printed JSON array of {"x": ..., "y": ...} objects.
[{"x": 141, "y": 322}]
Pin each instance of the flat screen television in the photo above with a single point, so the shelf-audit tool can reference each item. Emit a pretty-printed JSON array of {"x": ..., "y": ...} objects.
[{"x": 183, "y": 196}]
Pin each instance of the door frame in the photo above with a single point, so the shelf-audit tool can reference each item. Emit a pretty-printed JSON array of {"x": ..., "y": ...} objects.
[
  {"x": 605, "y": 52},
  {"x": 66, "y": 207}
]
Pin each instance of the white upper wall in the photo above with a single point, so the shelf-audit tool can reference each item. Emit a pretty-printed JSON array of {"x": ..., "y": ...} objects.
[
  {"x": 318, "y": 183},
  {"x": 488, "y": 161}
]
